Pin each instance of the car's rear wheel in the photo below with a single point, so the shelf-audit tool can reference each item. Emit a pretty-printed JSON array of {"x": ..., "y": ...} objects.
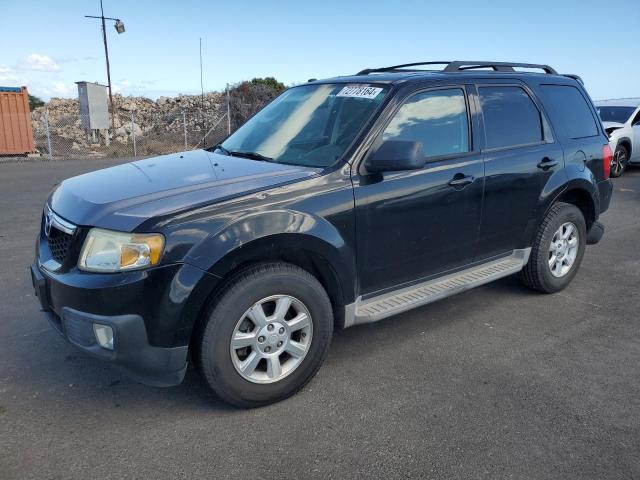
[
  {"x": 266, "y": 334},
  {"x": 557, "y": 250},
  {"x": 619, "y": 161}
]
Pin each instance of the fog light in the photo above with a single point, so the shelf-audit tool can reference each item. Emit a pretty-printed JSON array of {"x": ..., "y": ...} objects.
[{"x": 104, "y": 335}]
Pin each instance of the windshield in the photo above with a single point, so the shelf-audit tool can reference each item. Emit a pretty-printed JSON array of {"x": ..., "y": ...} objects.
[
  {"x": 310, "y": 125},
  {"x": 615, "y": 114}
]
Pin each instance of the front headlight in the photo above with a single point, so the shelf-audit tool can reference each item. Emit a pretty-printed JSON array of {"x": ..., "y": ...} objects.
[{"x": 109, "y": 251}]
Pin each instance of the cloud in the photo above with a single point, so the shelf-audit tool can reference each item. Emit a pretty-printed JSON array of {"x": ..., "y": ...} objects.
[
  {"x": 70, "y": 59},
  {"x": 7, "y": 75},
  {"x": 425, "y": 108},
  {"x": 38, "y": 63},
  {"x": 41, "y": 74},
  {"x": 61, "y": 88}
]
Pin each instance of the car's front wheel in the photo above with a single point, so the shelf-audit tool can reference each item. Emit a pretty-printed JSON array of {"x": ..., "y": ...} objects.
[
  {"x": 619, "y": 161},
  {"x": 266, "y": 334}
]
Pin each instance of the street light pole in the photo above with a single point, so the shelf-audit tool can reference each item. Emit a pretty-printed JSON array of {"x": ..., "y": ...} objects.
[
  {"x": 106, "y": 55},
  {"x": 120, "y": 29}
]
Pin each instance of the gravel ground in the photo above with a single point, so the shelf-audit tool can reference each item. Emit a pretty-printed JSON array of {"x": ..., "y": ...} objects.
[{"x": 498, "y": 382}]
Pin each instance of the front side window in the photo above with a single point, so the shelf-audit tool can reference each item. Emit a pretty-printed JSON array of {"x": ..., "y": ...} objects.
[
  {"x": 438, "y": 119},
  {"x": 510, "y": 117},
  {"x": 310, "y": 125}
]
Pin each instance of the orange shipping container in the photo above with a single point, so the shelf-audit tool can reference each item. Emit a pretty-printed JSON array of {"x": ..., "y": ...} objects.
[{"x": 16, "y": 136}]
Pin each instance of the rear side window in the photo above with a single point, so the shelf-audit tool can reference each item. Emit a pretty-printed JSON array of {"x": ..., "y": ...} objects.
[
  {"x": 436, "y": 118},
  {"x": 570, "y": 110},
  {"x": 510, "y": 117}
]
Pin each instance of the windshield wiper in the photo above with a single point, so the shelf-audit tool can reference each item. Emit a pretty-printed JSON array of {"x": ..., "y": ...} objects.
[
  {"x": 251, "y": 155},
  {"x": 219, "y": 147},
  {"x": 241, "y": 153}
]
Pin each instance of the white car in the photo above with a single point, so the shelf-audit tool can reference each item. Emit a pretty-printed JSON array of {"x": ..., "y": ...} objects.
[{"x": 621, "y": 120}]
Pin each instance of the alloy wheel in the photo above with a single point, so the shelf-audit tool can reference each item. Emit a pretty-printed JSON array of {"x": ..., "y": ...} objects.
[
  {"x": 619, "y": 160},
  {"x": 563, "y": 249},
  {"x": 271, "y": 339}
]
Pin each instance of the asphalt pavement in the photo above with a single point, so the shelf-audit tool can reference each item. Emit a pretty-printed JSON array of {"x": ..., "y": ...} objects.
[{"x": 497, "y": 382}]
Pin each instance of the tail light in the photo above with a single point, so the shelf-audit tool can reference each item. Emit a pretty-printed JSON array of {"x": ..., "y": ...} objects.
[{"x": 607, "y": 157}]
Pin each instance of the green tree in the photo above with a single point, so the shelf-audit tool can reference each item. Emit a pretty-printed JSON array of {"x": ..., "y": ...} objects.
[
  {"x": 269, "y": 82},
  {"x": 246, "y": 98},
  {"x": 34, "y": 102}
]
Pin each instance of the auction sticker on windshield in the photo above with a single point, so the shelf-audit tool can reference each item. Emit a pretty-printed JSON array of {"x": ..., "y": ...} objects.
[{"x": 359, "y": 91}]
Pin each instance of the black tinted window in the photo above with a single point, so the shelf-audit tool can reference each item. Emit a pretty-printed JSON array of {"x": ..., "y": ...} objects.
[
  {"x": 438, "y": 119},
  {"x": 615, "y": 114},
  {"x": 570, "y": 110},
  {"x": 510, "y": 117}
]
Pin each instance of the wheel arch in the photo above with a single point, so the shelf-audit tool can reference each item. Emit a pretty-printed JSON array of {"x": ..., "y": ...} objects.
[
  {"x": 579, "y": 192},
  {"x": 626, "y": 141},
  {"x": 306, "y": 241},
  {"x": 583, "y": 200}
]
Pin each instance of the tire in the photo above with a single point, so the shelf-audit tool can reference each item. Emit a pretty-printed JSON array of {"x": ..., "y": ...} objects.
[
  {"x": 235, "y": 313},
  {"x": 538, "y": 273},
  {"x": 620, "y": 161}
]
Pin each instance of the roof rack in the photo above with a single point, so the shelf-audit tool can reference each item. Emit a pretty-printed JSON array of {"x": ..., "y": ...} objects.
[
  {"x": 461, "y": 66},
  {"x": 575, "y": 77},
  {"x": 367, "y": 71}
]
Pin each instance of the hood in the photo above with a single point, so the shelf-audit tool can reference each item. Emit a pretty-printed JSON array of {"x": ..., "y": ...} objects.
[
  {"x": 124, "y": 196},
  {"x": 611, "y": 127}
]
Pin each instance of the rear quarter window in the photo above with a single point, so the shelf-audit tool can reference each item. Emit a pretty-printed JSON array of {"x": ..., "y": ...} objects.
[{"x": 570, "y": 111}]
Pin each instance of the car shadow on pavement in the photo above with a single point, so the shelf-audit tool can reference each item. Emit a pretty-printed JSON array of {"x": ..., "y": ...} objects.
[
  {"x": 429, "y": 318},
  {"x": 76, "y": 378}
]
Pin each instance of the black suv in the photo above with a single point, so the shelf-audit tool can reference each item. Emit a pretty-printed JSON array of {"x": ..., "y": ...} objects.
[{"x": 343, "y": 201}]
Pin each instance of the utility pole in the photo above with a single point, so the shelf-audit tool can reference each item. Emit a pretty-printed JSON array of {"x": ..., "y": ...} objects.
[
  {"x": 228, "y": 112},
  {"x": 106, "y": 55},
  {"x": 119, "y": 26},
  {"x": 204, "y": 139}
]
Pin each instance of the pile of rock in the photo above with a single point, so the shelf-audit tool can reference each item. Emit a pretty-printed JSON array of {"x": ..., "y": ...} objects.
[
  {"x": 165, "y": 120},
  {"x": 135, "y": 115}
]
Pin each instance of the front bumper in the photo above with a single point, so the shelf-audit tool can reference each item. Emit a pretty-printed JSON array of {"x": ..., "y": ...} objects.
[{"x": 150, "y": 317}]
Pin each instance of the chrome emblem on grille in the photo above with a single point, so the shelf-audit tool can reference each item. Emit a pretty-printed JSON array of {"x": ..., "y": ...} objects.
[{"x": 47, "y": 223}]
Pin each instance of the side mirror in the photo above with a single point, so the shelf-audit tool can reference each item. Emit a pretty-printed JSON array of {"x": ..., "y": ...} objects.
[{"x": 395, "y": 155}]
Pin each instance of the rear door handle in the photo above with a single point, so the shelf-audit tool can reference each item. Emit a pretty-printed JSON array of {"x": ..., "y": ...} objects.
[
  {"x": 547, "y": 163},
  {"x": 461, "y": 181}
]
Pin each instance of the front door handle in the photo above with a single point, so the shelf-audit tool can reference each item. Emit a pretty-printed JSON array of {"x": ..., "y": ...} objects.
[
  {"x": 547, "y": 163},
  {"x": 459, "y": 181}
]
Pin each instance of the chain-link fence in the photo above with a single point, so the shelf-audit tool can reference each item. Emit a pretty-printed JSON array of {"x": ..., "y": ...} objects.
[
  {"x": 142, "y": 127},
  {"x": 135, "y": 134}
]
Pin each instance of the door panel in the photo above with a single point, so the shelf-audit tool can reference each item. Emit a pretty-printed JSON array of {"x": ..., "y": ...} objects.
[
  {"x": 520, "y": 156},
  {"x": 414, "y": 224},
  {"x": 513, "y": 185},
  {"x": 635, "y": 153},
  {"x": 418, "y": 223}
]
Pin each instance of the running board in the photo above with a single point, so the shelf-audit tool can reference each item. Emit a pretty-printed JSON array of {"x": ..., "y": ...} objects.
[{"x": 388, "y": 304}]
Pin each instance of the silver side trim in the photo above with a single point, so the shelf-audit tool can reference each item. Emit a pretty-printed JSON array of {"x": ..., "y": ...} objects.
[{"x": 393, "y": 303}]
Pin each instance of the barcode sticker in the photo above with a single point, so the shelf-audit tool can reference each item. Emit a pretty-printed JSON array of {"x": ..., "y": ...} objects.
[{"x": 359, "y": 91}]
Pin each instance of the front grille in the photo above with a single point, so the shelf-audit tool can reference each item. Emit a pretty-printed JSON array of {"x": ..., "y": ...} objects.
[{"x": 59, "y": 243}]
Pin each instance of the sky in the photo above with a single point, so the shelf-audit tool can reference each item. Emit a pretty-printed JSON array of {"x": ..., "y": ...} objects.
[{"x": 49, "y": 45}]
